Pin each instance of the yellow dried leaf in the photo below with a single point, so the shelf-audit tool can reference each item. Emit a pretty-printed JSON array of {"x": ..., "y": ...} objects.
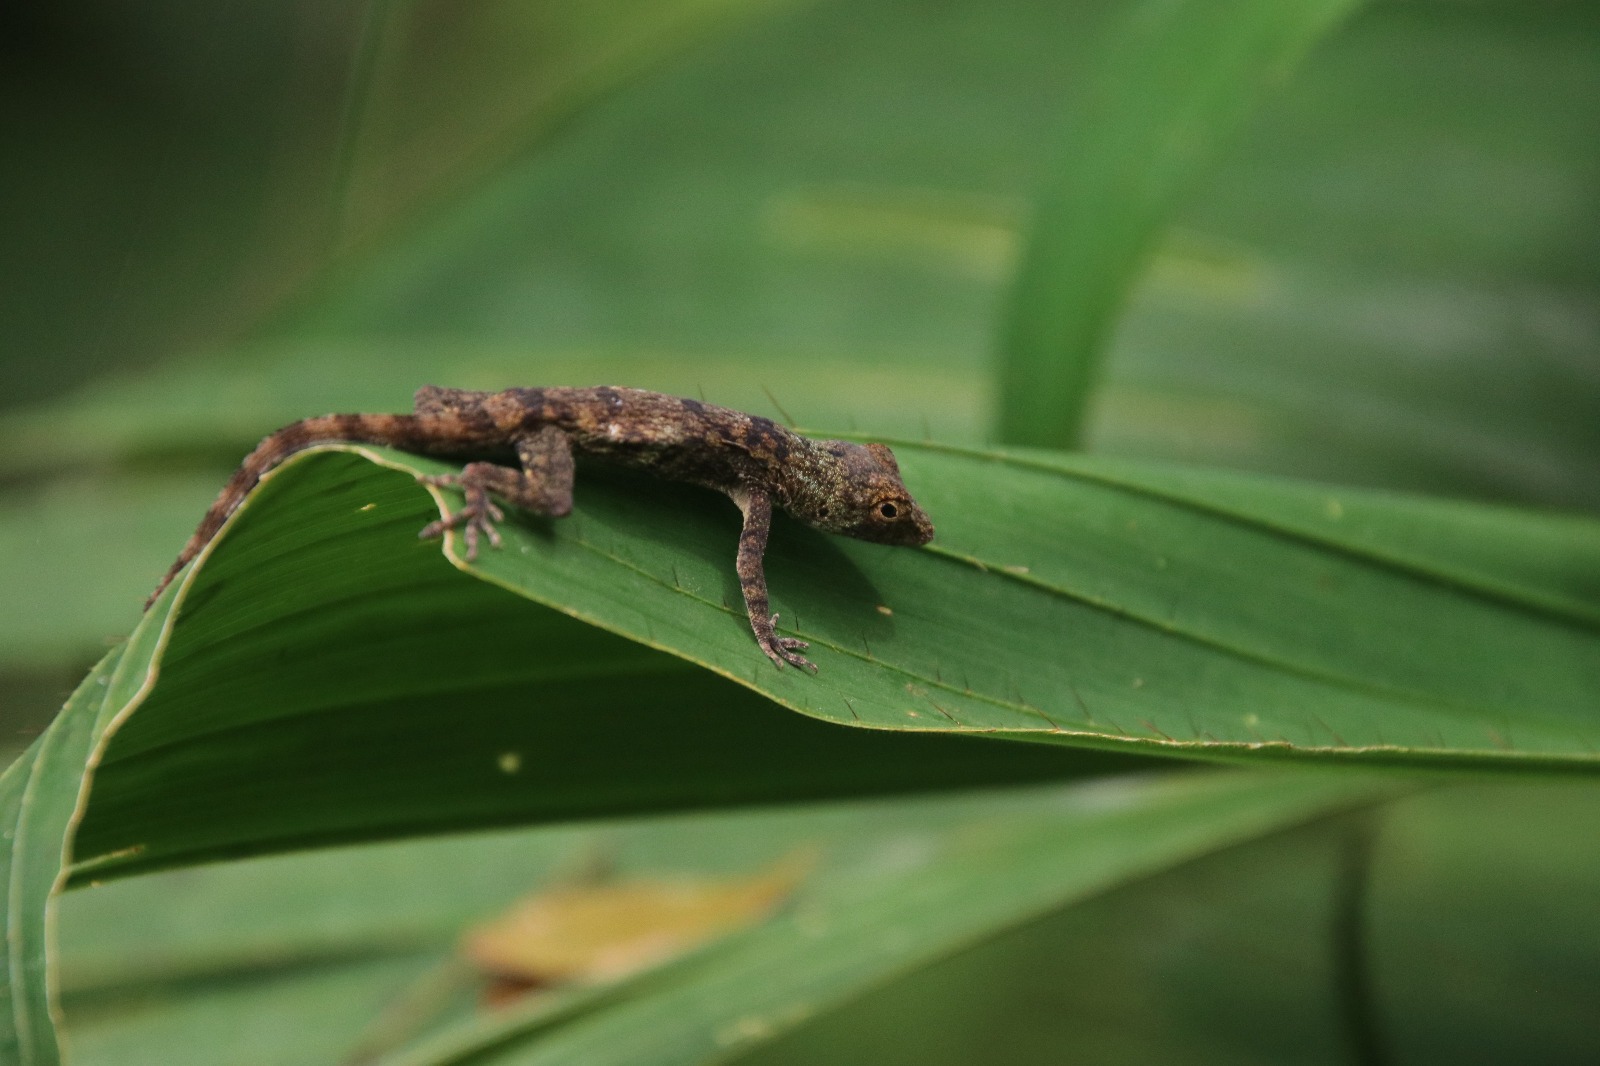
[{"x": 606, "y": 931}]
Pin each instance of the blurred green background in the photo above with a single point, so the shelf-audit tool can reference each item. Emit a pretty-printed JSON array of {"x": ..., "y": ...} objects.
[{"x": 220, "y": 218}]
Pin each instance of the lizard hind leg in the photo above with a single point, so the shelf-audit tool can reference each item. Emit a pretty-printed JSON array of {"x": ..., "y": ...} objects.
[
  {"x": 757, "y": 508},
  {"x": 543, "y": 486}
]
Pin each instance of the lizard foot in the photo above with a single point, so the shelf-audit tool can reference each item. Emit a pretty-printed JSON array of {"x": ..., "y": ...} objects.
[
  {"x": 477, "y": 518},
  {"x": 784, "y": 649}
]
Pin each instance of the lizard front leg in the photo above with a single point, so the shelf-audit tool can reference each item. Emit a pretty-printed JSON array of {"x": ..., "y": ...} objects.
[
  {"x": 543, "y": 486},
  {"x": 757, "y": 507}
]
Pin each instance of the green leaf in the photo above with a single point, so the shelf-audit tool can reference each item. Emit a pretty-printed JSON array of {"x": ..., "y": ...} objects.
[
  {"x": 40, "y": 797},
  {"x": 320, "y": 615},
  {"x": 1083, "y": 603},
  {"x": 327, "y": 942},
  {"x": 472, "y": 708},
  {"x": 1480, "y": 945},
  {"x": 1077, "y": 603},
  {"x": 1170, "y": 87},
  {"x": 857, "y": 929}
]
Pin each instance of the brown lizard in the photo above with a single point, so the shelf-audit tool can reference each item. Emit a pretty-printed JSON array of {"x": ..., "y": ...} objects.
[{"x": 832, "y": 485}]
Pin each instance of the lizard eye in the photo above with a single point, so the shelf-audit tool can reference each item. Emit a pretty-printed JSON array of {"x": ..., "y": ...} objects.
[{"x": 888, "y": 510}]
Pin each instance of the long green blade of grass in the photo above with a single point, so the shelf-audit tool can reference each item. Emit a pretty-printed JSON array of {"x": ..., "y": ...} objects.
[{"x": 1165, "y": 95}]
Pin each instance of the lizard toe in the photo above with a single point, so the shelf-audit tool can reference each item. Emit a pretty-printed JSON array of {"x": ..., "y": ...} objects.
[
  {"x": 798, "y": 660},
  {"x": 786, "y": 650},
  {"x": 476, "y": 521}
]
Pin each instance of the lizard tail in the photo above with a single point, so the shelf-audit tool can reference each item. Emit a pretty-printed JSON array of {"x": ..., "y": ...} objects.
[{"x": 410, "y": 432}]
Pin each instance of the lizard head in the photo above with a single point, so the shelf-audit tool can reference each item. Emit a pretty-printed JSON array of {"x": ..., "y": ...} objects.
[{"x": 869, "y": 501}]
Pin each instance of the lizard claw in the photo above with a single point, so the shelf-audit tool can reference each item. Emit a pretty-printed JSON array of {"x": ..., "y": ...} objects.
[
  {"x": 476, "y": 518},
  {"x": 785, "y": 649}
]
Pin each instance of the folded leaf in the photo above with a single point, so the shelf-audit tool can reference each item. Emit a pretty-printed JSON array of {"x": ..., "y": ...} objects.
[{"x": 320, "y": 675}]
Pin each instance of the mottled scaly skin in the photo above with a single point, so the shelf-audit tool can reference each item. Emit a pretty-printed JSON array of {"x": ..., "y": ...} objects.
[{"x": 836, "y": 486}]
